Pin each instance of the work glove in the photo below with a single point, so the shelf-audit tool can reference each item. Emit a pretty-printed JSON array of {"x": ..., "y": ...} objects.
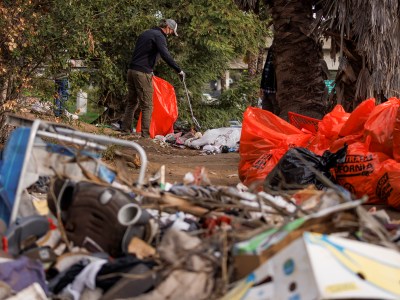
[{"x": 182, "y": 75}]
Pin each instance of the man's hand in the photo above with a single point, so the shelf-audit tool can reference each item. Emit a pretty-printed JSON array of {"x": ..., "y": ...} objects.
[{"x": 182, "y": 75}]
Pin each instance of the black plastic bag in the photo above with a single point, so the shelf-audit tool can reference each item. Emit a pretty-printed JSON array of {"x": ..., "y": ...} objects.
[{"x": 299, "y": 167}]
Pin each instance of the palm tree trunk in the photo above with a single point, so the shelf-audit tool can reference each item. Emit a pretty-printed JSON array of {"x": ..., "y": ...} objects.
[
  {"x": 252, "y": 64},
  {"x": 348, "y": 77},
  {"x": 260, "y": 60},
  {"x": 298, "y": 55}
]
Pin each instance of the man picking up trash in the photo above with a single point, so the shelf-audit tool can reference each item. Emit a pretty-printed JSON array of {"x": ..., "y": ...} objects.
[{"x": 149, "y": 45}]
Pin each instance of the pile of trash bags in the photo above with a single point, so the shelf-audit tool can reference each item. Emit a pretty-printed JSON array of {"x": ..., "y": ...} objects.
[
  {"x": 83, "y": 230},
  {"x": 371, "y": 135}
]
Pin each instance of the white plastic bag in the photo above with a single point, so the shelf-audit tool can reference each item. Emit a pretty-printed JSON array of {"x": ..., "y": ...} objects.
[{"x": 226, "y": 136}]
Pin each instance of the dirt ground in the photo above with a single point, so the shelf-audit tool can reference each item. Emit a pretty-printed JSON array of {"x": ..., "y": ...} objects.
[{"x": 221, "y": 169}]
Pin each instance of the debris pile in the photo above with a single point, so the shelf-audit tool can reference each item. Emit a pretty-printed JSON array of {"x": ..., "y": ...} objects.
[
  {"x": 75, "y": 228},
  {"x": 213, "y": 141}
]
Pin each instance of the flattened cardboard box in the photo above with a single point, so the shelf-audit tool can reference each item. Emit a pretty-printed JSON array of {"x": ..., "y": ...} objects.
[{"x": 316, "y": 266}]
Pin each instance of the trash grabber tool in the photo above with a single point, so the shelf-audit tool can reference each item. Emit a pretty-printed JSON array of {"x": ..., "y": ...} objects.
[{"x": 195, "y": 122}]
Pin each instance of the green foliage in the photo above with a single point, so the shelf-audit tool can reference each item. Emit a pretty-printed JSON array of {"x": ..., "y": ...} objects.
[
  {"x": 212, "y": 33},
  {"x": 103, "y": 33},
  {"x": 41, "y": 88},
  {"x": 231, "y": 105},
  {"x": 209, "y": 116},
  {"x": 244, "y": 94}
]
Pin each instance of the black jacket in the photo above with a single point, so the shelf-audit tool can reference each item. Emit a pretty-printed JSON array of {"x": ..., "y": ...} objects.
[
  {"x": 149, "y": 45},
  {"x": 268, "y": 77}
]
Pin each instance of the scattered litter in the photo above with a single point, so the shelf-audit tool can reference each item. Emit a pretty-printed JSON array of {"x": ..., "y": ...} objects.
[
  {"x": 232, "y": 175},
  {"x": 73, "y": 227}
]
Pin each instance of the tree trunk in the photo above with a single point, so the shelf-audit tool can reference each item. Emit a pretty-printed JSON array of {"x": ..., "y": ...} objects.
[
  {"x": 298, "y": 55},
  {"x": 350, "y": 70},
  {"x": 223, "y": 82},
  {"x": 5, "y": 89},
  {"x": 260, "y": 60},
  {"x": 252, "y": 60}
]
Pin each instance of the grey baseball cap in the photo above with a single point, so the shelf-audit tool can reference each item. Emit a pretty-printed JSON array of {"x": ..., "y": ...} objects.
[{"x": 173, "y": 25}]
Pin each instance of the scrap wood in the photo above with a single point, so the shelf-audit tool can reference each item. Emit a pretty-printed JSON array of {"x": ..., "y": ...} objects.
[
  {"x": 171, "y": 200},
  {"x": 140, "y": 248},
  {"x": 184, "y": 205}
]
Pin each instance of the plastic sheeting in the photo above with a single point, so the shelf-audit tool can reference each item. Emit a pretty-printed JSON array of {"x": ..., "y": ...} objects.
[{"x": 225, "y": 136}]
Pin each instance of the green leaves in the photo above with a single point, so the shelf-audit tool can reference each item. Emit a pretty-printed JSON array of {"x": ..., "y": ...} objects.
[{"x": 103, "y": 34}]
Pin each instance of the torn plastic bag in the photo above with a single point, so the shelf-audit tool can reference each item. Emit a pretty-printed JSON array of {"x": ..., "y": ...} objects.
[
  {"x": 165, "y": 109},
  {"x": 298, "y": 168}
]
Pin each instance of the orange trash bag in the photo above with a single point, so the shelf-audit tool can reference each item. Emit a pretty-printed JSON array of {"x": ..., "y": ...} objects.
[
  {"x": 165, "y": 109},
  {"x": 262, "y": 134},
  {"x": 361, "y": 171},
  {"x": 356, "y": 121},
  {"x": 396, "y": 137},
  {"x": 380, "y": 126},
  {"x": 339, "y": 128},
  {"x": 262, "y": 166},
  {"x": 328, "y": 130},
  {"x": 332, "y": 122},
  {"x": 388, "y": 184}
]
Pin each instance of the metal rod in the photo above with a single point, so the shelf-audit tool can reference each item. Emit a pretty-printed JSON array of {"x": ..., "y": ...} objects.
[
  {"x": 196, "y": 123},
  {"x": 68, "y": 139},
  {"x": 112, "y": 141}
]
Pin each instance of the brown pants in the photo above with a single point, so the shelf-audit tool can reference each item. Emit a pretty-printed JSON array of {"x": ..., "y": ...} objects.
[{"x": 140, "y": 94}]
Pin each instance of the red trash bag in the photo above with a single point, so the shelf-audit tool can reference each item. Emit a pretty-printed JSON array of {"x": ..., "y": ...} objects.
[
  {"x": 361, "y": 171},
  {"x": 333, "y": 122},
  {"x": 262, "y": 166},
  {"x": 349, "y": 132},
  {"x": 165, "y": 109},
  {"x": 356, "y": 121},
  {"x": 349, "y": 139},
  {"x": 328, "y": 130},
  {"x": 263, "y": 132},
  {"x": 396, "y": 137},
  {"x": 380, "y": 126},
  {"x": 388, "y": 185}
]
